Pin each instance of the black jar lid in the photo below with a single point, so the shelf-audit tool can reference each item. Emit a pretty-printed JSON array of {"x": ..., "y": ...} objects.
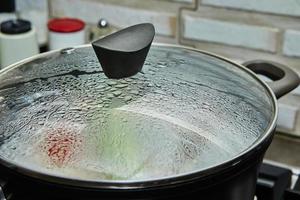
[{"x": 15, "y": 26}]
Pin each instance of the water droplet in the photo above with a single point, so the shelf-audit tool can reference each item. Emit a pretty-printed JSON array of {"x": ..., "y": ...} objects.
[
  {"x": 146, "y": 100},
  {"x": 111, "y": 83},
  {"x": 158, "y": 85},
  {"x": 117, "y": 93},
  {"x": 161, "y": 66},
  {"x": 100, "y": 87},
  {"x": 105, "y": 99},
  {"x": 76, "y": 108},
  {"x": 127, "y": 98},
  {"x": 160, "y": 92},
  {"x": 124, "y": 81},
  {"x": 99, "y": 106},
  {"x": 161, "y": 63},
  {"x": 121, "y": 85},
  {"x": 110, "y": 95},
  {"x": 135, "y": 92},
  {"x": 152, "y": 69}
]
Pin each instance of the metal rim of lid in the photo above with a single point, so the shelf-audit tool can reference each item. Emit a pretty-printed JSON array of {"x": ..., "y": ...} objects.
[{"x": 66, "y": 25}]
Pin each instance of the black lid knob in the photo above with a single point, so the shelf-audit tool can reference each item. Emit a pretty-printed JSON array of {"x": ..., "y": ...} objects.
[
  {"x": 123, "y": 53},
  {"x": 15, "y": 26}
]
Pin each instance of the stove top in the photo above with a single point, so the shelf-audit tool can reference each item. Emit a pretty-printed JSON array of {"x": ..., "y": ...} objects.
[{"x": 276, "y": 181}]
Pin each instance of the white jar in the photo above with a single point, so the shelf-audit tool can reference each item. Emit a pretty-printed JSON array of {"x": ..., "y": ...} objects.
[
  {"x": 65, "y": 32},
  {"x": 18, "y": 40}
]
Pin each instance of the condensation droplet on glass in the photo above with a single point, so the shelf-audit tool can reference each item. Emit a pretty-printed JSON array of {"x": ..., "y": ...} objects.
[
  {"x": 135, "y": 92},
  {"x": 158, "y": 85},
  {"x": 127, "y": 98},
  {"x": 121, "y": 85},
  {"x": 161, "y": 66},
  {"x": 111, "y": 83},
  {"x": 117, "y": 93},
  {"x": 110, "y": 95},
  {"x": 100, "y": 86},
  {"x": 160, "y": 92}
]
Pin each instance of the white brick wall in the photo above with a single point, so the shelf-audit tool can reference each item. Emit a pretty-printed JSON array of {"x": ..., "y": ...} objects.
[
  {"x": 35, "y": 11},
  {"x": 286, "y": 116},
  {"x": 118, "y": 15},
  {"x": 285, "y": 7},
  {"x": 250, "y": 36},
  {"x": 291, "y": 44}
]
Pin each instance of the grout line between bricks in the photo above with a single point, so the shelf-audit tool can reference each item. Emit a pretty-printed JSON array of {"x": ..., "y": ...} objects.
[{"x": 180, "y": 24}]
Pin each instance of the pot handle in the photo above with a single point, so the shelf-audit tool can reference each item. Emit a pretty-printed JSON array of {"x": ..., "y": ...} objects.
[{"x": 284, "y": 79}]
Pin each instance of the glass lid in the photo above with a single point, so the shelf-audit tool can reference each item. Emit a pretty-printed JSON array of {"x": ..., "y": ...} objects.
[{"x": 186, "y": 111}]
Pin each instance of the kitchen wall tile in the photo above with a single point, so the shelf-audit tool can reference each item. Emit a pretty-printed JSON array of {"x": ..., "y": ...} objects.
[
  {"x": 31, "y": 4},
  {"x": 35, "y": 11},
  {"x": 162, "y": 16},
  {"x": 285, "y": 7},
  {"x": 286, "y": 116},
  {"x": 242, "y": 17},
  {"x": 291, "y": 45},
  {"x": 229, "y": 33}
]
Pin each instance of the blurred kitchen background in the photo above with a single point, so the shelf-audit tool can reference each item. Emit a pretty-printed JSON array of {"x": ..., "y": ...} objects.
[{"x": 239, "y": 29}]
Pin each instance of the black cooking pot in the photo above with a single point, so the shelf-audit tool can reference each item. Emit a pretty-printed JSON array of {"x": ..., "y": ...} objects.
[{"x": 190, "y": 122}]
